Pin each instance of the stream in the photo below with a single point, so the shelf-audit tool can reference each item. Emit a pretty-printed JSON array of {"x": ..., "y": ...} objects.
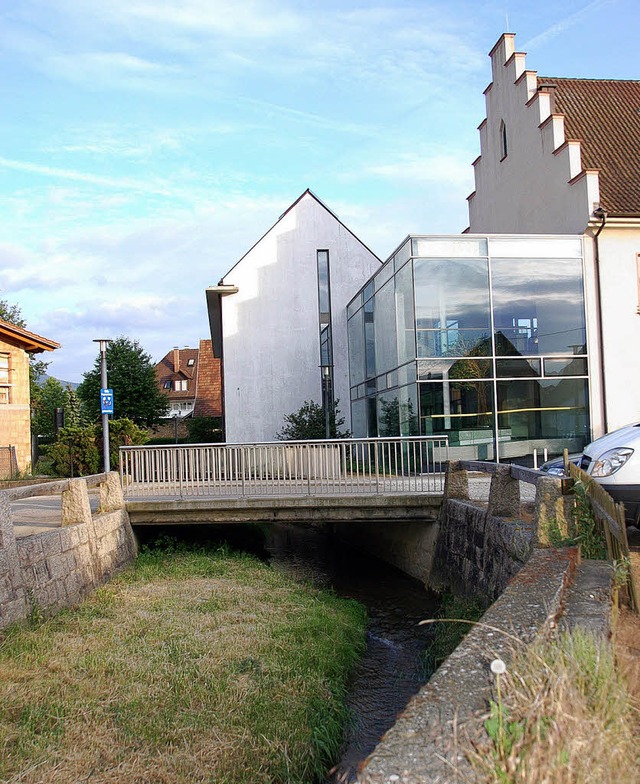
[{"x": 393, "y": 667}]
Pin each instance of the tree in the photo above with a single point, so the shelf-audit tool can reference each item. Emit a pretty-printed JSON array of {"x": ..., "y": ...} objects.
[
  {"x": 131, "y": 375},
  {"x": 204, "y": 430},
  {"x": 308, "y": 423},
  {"x": 44, "y": 401}
]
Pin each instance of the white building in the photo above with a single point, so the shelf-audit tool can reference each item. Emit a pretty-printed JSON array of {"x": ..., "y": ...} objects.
[
  {"x": 278, "y": 319},
  {"x": 562, "y": 156}
]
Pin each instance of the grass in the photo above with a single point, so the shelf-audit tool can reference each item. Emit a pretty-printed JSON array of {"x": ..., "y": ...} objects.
[
  {"x": 563, "y": 716},
  {"x": 194, "y": 666},
  {"x": 450, "y": 628}
]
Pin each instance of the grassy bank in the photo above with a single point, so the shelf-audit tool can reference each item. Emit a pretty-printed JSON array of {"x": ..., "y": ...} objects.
[
  {"x": 563, "y": 714},
  {"x": 190, "y": 667}
]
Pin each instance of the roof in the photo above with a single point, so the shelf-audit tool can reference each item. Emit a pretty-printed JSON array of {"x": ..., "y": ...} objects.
[
  {"x": 604, "y": 115},
  {"x": 166, "y": 372},
  {"x": 28, "y": 341},
  {"x": 209, "y": 393},
  {"x": 312, "y": 195}
]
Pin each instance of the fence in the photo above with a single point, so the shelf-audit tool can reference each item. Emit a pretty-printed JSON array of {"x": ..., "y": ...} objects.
[
  {"x": 610, "y": 518},
  {"x": 8, "y": 462},
  {"x": 342, "y": 466}
]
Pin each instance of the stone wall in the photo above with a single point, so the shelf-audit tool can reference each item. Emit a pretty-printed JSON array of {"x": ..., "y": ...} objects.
[
  {"x": 58, "y": 568},
  {"x": 481, "y": 547}
]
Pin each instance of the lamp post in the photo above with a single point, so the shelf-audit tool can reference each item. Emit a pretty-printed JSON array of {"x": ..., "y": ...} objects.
[
  {"x": 103, "y": 389},
  {"x": 326, "y": 383}
]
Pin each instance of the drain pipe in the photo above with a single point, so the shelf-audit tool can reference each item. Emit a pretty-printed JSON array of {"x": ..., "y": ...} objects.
[{"x": 601, "y": 214}]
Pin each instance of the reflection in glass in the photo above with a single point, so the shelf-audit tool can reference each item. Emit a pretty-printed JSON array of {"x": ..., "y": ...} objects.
[
  {"x": 456, "y": 407},
  {"x": 385, "y": 329},
  {"x": 465, "y": 367},
  {"x": 398, "y": 413},
  {"x": 517, "y": 368},
  {"x": 405, "y": 318},
  {"x": 538, "y": 305},
  {"x": 453, "y": 342},
  {"x": 355, "y": 327},
  {"x": 567, "y": 366},
  {"x": 359, "y": 418},
  {"x": 369, "y": 340},
  {"x": 544, "y": 409},
  {"x": 452, "y": 292}
]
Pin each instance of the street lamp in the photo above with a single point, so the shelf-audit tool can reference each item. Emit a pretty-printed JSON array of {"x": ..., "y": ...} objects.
[
  {"x": 326, "y": 394},
  {"x": 106, "y": 398}
]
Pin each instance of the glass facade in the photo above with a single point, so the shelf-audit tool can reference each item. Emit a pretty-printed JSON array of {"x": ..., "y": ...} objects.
[{"x": 479, "y": 338}]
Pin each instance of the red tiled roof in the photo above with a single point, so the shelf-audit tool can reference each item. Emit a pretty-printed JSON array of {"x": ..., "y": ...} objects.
[
  {"x": 209, "y": 394},
  {"x": 604, "y": 115},
  {"x": 167, "y": 373}
]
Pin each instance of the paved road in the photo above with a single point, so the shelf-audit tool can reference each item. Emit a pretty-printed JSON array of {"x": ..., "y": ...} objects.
[{"x": 41, "y": 513}]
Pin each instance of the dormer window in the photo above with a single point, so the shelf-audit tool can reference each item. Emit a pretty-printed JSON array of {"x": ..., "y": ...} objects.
[
  {"x": 503, "y": 140},
  {"x": 181, "y": 385},
  {"x": 191, "y": 362},
  {"x": 167, "y": 385}
]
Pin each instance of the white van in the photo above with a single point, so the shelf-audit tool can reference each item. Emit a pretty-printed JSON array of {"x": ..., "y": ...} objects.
[{"x": 614, "y": 462}]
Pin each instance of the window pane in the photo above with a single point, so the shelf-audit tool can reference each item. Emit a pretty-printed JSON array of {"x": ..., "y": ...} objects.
[
  {"x": 355, "y": 329},
  {"x": 538, "y": 306},
  {"x": 463, "y": 410},
  {"x": 453, "y": 342},
  {"x": 405, "y": 318},
  {"x": 568, "y": 366},
  {"x": 385, "y": 329},
  {"x": 323, "y": 281},
  {"x": 550, "y": 414},
  {"x": 517, "y": 368},
  {"x": 359, "y": 418},
  {"x": 369, "y": 340},
  {"x": 440, "y": 247},
  {"x": 471, "y": 368},
  {"x": 452, "y": 294}
]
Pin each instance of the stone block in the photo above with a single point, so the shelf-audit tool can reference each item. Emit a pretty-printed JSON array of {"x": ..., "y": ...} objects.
[
  {"x": 51, "y": 543},
  {"x": 40, "y": 573},
  {"x": 7, "y": 592},
  {"x": 554, "y": 511},
  {"x": 456, "y": 483},
  {"x": 58, "y": 566},
  {"x": 12, "y": 611},
  {"x": 30, "y": 549},
  {"x": 111, "y": 497},
  {"x": 75, "y": 503},
  {"x": 504, "y": 495}
]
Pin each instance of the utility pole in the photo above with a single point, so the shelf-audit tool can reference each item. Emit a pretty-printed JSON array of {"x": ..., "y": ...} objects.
[{"x": 106, "y": 402}]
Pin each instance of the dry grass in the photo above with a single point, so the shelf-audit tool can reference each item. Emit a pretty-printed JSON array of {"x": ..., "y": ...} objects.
[
  {"x": 191, "y": 668},
  {"x": 565, "y": 717}
]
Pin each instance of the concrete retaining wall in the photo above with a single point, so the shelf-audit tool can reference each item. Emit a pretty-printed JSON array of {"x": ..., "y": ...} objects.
[{"x": 57, "y": 568}]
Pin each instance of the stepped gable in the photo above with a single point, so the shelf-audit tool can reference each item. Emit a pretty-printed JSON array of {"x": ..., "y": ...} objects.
[{"x": 604, "y": 115}]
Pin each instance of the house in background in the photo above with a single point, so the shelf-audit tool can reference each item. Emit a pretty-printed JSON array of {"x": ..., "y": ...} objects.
[
  {"x": 278, "y": 320},
  {"x": 563, "y": 156},
  {"x": 190, "y": 379},
  {"x": 16, "y": 344}
]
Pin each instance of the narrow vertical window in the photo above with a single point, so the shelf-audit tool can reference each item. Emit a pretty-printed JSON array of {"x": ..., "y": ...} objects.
[
  {"x": 324, "y": 319},
  {"x": 503, "y": 140}
]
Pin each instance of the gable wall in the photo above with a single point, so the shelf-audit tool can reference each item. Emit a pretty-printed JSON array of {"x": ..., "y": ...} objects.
[
  {"x": 529, "y": 190},
  {"x": 270, "y": 327}
]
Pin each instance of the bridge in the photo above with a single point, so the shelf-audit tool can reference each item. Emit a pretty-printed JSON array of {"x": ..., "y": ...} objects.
[{"x": 340, "y": 480}]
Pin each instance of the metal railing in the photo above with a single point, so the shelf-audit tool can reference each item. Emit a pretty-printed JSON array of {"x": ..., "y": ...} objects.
[{"x": 332, "y": 467}]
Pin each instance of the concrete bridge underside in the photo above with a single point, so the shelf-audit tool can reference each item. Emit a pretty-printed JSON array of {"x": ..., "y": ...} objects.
[{"x": 311, "y": 509}]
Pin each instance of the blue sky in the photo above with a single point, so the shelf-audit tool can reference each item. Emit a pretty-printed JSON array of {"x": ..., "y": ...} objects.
[{"x": 145, "y": 145}]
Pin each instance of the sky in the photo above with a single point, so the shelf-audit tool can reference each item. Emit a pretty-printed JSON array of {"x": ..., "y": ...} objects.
[{"x": 146, "y": 145}]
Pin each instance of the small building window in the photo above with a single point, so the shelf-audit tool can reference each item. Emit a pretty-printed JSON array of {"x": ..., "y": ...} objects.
[
  {"x": 167, "y": 385},
  {"x": 191, "y": 362},
  {"x": 4, "y": 379},
  {"x": 181, "y": 385},
  {"x": 503, "y": 140}
]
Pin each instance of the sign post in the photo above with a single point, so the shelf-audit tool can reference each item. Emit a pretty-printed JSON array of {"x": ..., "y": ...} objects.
[{"x": 106, "y": 403}]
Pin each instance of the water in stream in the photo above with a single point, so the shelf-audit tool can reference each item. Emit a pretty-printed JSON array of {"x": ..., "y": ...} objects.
[{"x": 393, "y": 667}]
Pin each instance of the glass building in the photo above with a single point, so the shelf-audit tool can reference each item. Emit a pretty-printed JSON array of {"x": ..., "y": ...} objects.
[{"x": 481, "y": 338}]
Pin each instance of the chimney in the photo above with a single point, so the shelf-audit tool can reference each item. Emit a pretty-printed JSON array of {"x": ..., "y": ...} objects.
[{"x": 176, "y": 359}]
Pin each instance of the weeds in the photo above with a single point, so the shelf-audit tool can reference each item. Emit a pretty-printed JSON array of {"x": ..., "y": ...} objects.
[
  {"x": 449, "y": 633},
  {"x": 563, "y": 716}
]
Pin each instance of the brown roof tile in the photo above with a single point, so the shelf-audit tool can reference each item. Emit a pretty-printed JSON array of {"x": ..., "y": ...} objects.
[
  {"x": 209, "y": 394},
  {"x": 604, "y": 115}
]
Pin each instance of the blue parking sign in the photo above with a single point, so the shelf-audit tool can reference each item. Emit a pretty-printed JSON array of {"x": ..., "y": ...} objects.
[{"x": 106, "y": 401}]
